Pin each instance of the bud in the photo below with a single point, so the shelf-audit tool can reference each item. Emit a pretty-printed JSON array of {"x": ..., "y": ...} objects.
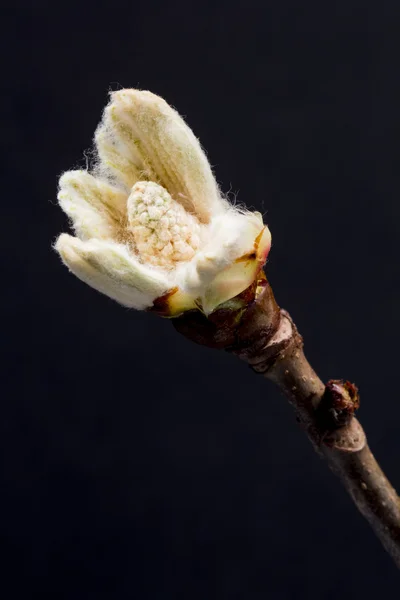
[{"x": 152, "y": 230}]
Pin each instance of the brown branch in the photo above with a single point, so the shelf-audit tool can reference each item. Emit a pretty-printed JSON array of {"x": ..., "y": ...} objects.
[
  {"x": 327, "y": 415},
  {"x": 265, "y": 336}
]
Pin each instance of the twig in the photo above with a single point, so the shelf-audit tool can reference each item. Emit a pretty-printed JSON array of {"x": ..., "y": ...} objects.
[
  {"x": 267, "y": 339},
  {"x": 327, "y": 415},
  {"x": 345, "y": 448}
]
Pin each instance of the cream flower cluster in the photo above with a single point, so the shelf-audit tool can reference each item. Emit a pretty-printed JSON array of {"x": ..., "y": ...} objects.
[
  {"x": 150, "y": 222},
  {"x": 163, "y": 231}
]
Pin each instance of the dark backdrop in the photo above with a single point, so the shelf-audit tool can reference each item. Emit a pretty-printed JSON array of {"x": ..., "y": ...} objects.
[{"x": 134, "y": 463}]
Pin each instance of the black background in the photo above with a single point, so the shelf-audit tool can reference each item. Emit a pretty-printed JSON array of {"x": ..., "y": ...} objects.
[{"x": 134, "y": 463}]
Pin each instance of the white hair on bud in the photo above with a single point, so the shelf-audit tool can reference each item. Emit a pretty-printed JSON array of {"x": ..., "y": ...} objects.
[
  {"x": 96, "y": 208},
  {"x": 142, "y": 138},
  {"x": 229, "y": 237},
  {"x": 111, "y": 269}
]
